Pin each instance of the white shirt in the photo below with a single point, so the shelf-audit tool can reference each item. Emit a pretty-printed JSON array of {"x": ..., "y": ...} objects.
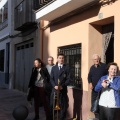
[
  {"x": 107, "y": 98},
  {"x": 60, "y": 65}
]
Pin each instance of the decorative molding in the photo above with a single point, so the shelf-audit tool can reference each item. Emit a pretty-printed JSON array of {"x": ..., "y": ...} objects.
[{"x": 4, "y": 38}]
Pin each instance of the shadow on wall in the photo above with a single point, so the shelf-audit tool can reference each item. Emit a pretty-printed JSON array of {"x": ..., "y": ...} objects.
[
  {"x": 44, "y": 47},
  {"x": 79, "y": 17},
  {"x": 77, "y": 104}
]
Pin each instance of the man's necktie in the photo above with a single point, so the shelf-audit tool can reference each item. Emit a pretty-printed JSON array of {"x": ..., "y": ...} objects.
[{"x": 60, "y": 67}]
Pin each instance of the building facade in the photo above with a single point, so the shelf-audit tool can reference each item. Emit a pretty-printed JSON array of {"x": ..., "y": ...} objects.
[
  {"x": 5, "y": 29},
  {"x": 19, "y": 43},
  {"x": 79, "y": 29}
]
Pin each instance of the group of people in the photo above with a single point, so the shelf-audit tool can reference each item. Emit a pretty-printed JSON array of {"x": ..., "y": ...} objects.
[
  {"x": 103, "y": 81},
  {"x": 44, "y": 83}
]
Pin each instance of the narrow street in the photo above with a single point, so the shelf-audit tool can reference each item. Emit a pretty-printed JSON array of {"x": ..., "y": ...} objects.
[{"x": 10, "y": 99}]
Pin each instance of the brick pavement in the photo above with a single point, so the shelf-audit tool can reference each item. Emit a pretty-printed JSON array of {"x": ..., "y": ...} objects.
[{"x": 10, "y": 99}]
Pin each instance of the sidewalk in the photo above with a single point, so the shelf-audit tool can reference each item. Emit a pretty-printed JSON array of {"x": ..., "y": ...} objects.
[{"x": 10, "y": 99}]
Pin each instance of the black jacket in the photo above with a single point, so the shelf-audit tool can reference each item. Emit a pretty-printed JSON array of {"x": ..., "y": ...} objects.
[
  {"x": 44, "y": 73},
  {"x": 96, "y": 73}
]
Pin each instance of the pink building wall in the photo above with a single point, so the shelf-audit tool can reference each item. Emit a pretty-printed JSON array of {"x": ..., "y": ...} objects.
[{"x": 84, "y": 28}]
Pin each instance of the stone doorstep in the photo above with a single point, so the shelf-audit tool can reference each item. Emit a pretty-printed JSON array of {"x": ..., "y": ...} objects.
[{"x": 93, "y": 119}]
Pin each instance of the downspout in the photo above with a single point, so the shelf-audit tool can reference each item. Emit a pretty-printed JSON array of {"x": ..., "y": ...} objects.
[{"x": 42, "y": 38}]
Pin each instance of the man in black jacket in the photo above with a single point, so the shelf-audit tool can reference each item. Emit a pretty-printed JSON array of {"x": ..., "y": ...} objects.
[
  {"x": 97, "y": 70},
  {"x": 60, "y": 72}
]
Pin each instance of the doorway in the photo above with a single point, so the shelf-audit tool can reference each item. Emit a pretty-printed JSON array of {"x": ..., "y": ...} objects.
[
  {"x": 24, "y": 63},
  {"x": 108, "y": 43},
  {"x": 7, "y": 63}
]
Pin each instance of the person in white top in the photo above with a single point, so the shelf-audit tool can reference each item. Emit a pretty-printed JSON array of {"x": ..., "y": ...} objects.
[{"x": 109, "y": 86}]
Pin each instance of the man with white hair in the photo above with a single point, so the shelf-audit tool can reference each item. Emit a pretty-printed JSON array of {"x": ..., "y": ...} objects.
[
  {"x": 97, "y": 70},
  {"x": 50, "y": 64}
]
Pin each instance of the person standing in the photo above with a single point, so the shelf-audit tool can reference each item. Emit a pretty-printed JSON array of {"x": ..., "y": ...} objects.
[
  {"x": 49, "y": 68},
  {"x": 109, "y": 102},
  {"x": 97, "y": 70},
  {"x": 38, "y": 85},
  {"x": 50, "y": 64},
  {"x": 62, "y": 72}
]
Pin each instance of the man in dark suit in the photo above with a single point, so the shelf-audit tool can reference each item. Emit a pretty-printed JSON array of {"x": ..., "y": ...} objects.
[{"x": 62, "y": 72}]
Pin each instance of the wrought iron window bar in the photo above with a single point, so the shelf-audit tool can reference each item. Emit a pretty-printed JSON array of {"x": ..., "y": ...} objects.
[
  {"x": 39, "y": 4},
  {"x": 73, "y": 59}
]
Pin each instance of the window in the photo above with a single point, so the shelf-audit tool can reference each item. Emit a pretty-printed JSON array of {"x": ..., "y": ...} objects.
[
  {"x": 2, "y": 60},
  {"x": 24, "y": 46},
  {"x": 4, "y": 13},
  {"x": 0, "y": 15},
  {"x": 4, "y": 16},
  {"x": 20, "y": 7},
  {"x": 73, "y": 59}
]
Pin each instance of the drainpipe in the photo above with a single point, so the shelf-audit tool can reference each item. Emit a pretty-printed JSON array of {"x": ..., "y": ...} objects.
[{"x": 41, "y": 38}]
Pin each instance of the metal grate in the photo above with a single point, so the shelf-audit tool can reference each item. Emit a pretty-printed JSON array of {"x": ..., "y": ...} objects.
[
  {"x": 73, "y": 59},
  {"x": 24, "y": 46},
  {"x": 39, "y": 4}
]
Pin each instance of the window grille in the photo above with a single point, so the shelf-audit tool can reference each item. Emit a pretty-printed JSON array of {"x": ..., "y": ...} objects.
[{"x": 73, "y": 59}]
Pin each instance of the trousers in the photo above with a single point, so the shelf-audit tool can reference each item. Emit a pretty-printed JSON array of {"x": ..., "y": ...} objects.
[
  {"x": 63, "y": 105},
  {"x": 93, "y": 98},
  {"x": 106, "y": 113},
  {"x": 40, "y": 97}
]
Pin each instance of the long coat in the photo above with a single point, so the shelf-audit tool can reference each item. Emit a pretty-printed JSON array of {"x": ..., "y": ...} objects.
[{"x": 45, "y": 75}]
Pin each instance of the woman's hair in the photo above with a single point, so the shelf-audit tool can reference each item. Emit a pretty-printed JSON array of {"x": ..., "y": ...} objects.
[
  {"x": 113, "y": 63},
  {"x": 40, "y": 61}
]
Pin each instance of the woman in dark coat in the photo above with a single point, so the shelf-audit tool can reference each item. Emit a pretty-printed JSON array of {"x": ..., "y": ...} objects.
[{"x": 39, "y": 87}]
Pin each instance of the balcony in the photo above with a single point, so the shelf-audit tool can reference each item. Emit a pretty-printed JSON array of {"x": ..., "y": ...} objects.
[
  {"x": 38, "y": 4},
  {"x": 24, "y": 16},
  {"x": 4, "y": 24},
  {"x": 52, "y": 9}
]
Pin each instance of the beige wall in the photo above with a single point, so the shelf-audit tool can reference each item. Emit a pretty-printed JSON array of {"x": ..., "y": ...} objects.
[{"x": 84, "y": 28}]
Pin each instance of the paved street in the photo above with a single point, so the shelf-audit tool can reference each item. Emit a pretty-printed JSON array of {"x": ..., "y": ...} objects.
[{"x": 10, "y": 99}]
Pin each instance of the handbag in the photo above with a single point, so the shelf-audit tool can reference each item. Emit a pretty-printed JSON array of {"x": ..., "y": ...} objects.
[{"x": 95, "y": 106}]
